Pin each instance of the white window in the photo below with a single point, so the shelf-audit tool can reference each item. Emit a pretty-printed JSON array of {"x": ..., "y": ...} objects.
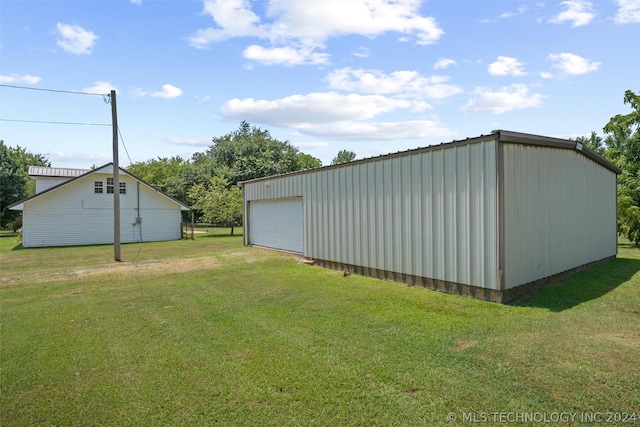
[
  {"x": 123, "y": 188},
  {"x": 97, "y": 187},
  {"x": 109, "y": 185}
]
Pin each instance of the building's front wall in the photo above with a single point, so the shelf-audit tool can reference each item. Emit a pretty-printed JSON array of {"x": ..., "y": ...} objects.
[
  {"x": 559, "y": 212},
  {"x": 427, "y": 214},
  {"x": 76, "y": 215}
]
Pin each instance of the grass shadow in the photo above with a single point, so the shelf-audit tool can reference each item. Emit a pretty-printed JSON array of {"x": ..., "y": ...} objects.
[
  {"x": 582, "y": 287},
  {"x": 218, "y": 236}
]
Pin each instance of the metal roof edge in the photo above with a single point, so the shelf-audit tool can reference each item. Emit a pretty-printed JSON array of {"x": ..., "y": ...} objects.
[
  {"x": 92, "y": 171},
  {"x": 441, "y": 146},
  {"x": 506, "y": 136}
]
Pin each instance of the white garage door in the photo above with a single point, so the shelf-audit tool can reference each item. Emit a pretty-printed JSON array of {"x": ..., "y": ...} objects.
[{"x": 277, "y": 224}]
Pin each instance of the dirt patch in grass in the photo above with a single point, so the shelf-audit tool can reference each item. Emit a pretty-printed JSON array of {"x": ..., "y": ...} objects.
[
  {"x": 151, "y": 267},
  {"x": 462, "y": 345}
]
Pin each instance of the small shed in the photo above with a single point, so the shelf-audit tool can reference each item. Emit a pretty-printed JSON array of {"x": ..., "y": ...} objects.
[
  {"x": 75, "y": 207},
  {"x": 492, "y": 217}
]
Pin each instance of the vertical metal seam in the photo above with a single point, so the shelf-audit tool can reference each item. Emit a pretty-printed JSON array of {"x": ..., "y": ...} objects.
[{"x": 500, "y": 240}]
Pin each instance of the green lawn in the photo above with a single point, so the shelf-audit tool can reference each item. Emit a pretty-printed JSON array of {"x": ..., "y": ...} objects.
[{"x": 209, "y": 332}]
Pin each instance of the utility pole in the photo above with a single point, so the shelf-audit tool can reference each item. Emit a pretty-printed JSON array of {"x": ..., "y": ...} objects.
[{"x": 116, "y": 180}]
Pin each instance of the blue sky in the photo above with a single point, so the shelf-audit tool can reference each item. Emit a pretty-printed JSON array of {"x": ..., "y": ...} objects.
[{"x": 372, "y": 77}]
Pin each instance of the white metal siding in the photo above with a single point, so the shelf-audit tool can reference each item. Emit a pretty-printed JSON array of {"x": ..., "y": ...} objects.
[
  {"x": 429, "y": 214},
  {"x": 46, "y": 182},
  {"x": 277, "y": 224},
  {"x": 75, "y": 215},
  {"x": 560, "y": 212}
]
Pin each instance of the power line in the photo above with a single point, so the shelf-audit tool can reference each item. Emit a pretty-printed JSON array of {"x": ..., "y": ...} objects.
[
  {"x": 54, "y": 90},
  {"x": 55, "y": 123},
  {"x": 124, "y": 145}
]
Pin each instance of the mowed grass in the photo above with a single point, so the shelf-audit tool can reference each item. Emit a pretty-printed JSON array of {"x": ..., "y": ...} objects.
[{"x": 207, "y": 332}]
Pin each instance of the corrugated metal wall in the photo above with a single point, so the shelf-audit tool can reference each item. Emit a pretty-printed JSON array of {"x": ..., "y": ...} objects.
[
  {"x": 427, "y": 213},
  {"x": 559, "y": 212}
]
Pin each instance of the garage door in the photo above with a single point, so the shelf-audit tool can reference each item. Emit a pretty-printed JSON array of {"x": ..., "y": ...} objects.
[{"x": 277, "y": 224}]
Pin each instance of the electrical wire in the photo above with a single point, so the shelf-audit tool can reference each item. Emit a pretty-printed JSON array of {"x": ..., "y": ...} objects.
[
  {"x": 52, "y": 90},
  {"x": 124, "y": 145},
  {"x": 55, "y": 123}
]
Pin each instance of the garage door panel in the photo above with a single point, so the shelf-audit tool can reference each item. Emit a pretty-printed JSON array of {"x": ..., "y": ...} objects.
[{"x": 277, "y": 224}]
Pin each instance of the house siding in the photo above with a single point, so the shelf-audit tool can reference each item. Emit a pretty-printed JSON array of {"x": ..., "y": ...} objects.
[{"x": 75, "y": 215}]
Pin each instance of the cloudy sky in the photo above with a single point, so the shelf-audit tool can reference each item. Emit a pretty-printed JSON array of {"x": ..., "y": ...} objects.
[{"x": 371, "y": 76}]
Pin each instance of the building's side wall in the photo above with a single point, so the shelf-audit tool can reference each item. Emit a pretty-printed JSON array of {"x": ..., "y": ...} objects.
[
  {"x": 426, "y": 214},
  {"x": 46, "y": 182},
  {"x": 559, "y": 212},
  {"x": 76, "y": 215}
]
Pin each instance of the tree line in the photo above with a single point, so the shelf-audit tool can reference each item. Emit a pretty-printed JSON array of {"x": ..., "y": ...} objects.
[{"x": 208, "y": 181}]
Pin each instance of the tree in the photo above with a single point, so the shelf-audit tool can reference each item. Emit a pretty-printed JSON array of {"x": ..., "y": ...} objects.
[
  {"x": 219, "y": 201},
  {"x": 594, "y": 142},
  {"x": 248, "y": 153},
  {"x": 343, "y": 156},
  {"x": 165, "y": 174},
  {"x": 623, "y": 148},
  {"x": 15, "y": 184},
  {"x": 307, "y": 161}
]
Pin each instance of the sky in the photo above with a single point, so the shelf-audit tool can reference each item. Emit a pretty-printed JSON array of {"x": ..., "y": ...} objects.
[{"x": 369, "y": 76}]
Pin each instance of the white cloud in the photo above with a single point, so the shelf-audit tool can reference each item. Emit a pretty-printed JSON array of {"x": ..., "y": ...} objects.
[
  {"x": 234, "y": 19},
  {"x": 520, "y": 11},
  {"x": 319, "y": 20},
  {"x": 578, "y": 12},
  {"x": 300, "y": 23},
  {"x": 546, "y": 75},
  {"x": 628, "y": 12},
  {"x": 571, "y": 64},
  {"x": 195, "y": 142},
  {"x": 311, "y": 145},
  {"x": 100, "y": 87},
  {"x": 75, "y": 39},
  {"x": 288, "y": 55},
  {"x": 136, "y": 2},
  {"x": 513, "y": 97},
  {"x": 334, "y": 115},
  {"x": 368, "y": 131},
  {"x": 324, "y": 107},
  {"x": 400, "y": 83},
  {"x": 506, "y": 66},
  {"x": 361, "y": 52},
  {"x": 15, "y": 78},
  {"x": 506, "y": 15},
  {"x": 168, "y": 92},
  {"x": 444, "y": 63}
]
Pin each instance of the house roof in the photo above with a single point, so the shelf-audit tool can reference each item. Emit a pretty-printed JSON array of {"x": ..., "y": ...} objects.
[
  {"x": 502, "y": 136},
  {"x": 20, "y": 204},
  {"x": 56, "y": 172}
]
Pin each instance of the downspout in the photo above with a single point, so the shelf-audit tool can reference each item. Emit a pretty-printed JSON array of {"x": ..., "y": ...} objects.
[{"x": 139, "y": 219}]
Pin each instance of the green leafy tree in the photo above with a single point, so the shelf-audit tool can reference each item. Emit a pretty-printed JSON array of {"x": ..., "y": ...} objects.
[
  {"x": 248, "y": 153},
  {"x": 220, "y": 202},
  {"x": 623, "y": 148},
  {"x": 593, "y": 141},
  {"x": 343, "y": 156},
  {"x": 15, "y": 184},
  {"x": 167, "y": 174},
  {"x": 307, "y": 161}
]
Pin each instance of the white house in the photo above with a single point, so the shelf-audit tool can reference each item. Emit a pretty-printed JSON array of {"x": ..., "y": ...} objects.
[
  {"x": 75, "y": 207},
  {"x": 493, "y": 217}
]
